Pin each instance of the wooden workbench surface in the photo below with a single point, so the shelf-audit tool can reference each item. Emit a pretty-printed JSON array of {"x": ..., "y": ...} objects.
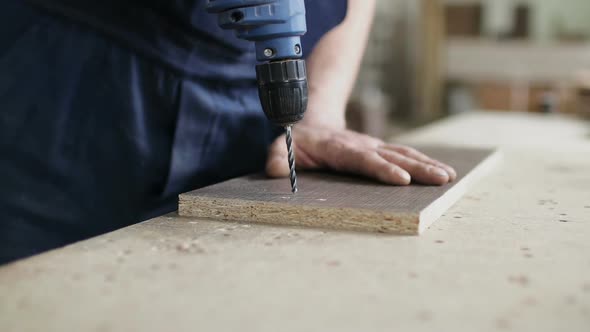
[{"x": 514, "y": 254}]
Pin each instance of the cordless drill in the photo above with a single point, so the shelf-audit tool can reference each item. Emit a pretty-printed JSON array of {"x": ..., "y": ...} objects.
[{"x": 276, "y": 27}]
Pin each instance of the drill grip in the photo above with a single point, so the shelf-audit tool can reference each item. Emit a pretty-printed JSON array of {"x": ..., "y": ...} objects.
[{"x": 276, "y": 26}]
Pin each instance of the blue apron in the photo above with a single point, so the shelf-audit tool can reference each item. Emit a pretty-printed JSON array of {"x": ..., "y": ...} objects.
[{"x": 104, "y": 120}]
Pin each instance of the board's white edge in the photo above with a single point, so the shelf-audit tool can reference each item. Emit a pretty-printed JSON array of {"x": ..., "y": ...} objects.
[{"x": 436, "y": 209}]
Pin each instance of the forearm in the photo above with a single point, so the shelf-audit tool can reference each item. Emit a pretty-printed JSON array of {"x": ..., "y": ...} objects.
[{"x": 334, "y": 64}]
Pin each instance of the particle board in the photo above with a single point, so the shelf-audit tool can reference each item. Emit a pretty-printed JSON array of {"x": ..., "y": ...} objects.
[{"x": 338, "y": 201}]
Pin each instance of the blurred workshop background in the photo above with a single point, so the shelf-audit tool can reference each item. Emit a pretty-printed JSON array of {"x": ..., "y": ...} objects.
[{"x": 428, "y": 59}]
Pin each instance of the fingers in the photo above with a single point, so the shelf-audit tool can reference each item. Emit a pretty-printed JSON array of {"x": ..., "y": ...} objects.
[
  {"x": 386, "y": 172},
  {"x": 419, "y": 156},
  {"x": 420, "y": 171},
  {"x": 277, "y": 165},
  {"x": 370, "y": 164}
]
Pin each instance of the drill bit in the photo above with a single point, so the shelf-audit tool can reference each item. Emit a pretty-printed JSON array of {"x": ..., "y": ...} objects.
[{"x": 291, "y": 156}]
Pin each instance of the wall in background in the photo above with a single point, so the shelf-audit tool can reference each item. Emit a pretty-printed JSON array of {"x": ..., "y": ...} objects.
[
  {"x": 401, "y": 76},
  {"x": 547, "y": 16},
  {"x": 569, "y": 15}
]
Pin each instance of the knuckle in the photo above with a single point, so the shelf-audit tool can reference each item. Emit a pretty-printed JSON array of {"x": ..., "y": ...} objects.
[
  {"x": 363, "y": 157},
  {"x": 415, "y": 167},
  {"x": 424, "y": 168},
  {"x": 410, "y": 151}
]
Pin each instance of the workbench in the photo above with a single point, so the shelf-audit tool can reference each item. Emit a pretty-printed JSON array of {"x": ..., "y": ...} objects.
[{"x": 513, "y": 254}]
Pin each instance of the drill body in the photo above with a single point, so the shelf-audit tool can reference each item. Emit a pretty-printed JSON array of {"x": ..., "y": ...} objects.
[{"x": 276, "y": 27}]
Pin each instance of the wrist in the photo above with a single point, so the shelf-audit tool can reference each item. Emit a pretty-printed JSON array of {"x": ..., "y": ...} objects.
[
  {"x": 325, "y": 113},
  {"x": 319, "y": 119}
]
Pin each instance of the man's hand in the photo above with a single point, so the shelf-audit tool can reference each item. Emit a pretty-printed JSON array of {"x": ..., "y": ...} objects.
[
  {"x": 320, "y": 140},
  {"x": 342, "y": 150}
]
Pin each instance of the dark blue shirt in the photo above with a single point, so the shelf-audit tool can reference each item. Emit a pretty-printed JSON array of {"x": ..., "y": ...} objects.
[{"x": 181, "y": 34}]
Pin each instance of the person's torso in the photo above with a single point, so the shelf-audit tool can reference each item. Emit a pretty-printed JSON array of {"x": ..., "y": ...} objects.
[{"x": 183, "y": 35}]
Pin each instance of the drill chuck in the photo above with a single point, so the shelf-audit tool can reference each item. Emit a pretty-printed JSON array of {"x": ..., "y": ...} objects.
[{"x": 282, "y": 88}]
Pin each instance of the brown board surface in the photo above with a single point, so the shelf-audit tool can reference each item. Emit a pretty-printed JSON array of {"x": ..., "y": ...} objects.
[{"x": 339, "y": 201}]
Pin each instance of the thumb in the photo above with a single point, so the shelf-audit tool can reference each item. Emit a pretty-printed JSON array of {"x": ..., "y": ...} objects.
[{"x": 277, "y": 165}]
